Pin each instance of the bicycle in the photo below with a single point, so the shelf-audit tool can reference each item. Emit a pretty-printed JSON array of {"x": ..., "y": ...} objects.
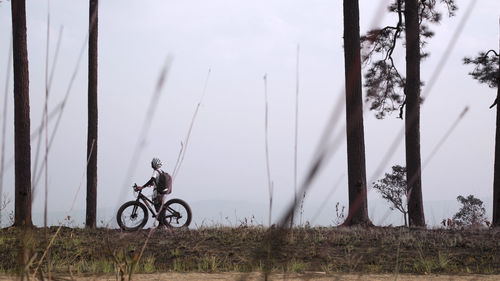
[{"x": 133, "y": 215}]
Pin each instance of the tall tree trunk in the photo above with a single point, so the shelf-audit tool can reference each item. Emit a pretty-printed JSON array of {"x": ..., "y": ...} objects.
[
  {"x": 22, "y": 144},
  {"x": 412, "y": 122},
  {"x": 496, "y": 174},
  {"x": 90, "y": 220},
  {"x": 358, "y": 210},
  {"x": 496, "y": 177}
]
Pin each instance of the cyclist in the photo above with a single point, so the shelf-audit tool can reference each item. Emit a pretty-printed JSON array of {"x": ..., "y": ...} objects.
[{"x": 161, "y": 181}]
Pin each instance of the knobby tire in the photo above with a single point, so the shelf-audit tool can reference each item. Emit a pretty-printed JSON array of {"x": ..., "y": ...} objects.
[
  {"x": 132, "y": 216},
  {"x": 177, "y": 214}
]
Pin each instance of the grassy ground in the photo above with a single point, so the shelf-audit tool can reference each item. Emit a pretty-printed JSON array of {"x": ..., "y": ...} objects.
[
  {"x": 256, "y": 276},
  {"x": 245, "y": 249}
]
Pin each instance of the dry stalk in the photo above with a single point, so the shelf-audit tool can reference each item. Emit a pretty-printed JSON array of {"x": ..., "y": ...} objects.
[
  {"x": 46, "y": 123},
  {"x": 46, "y": 118},
  {"x": 266, "y": 131},
  {"x": 178, "y": 158},
  {"x": 296, "y": 134},
  {"x": 137, "y": 258},
  {"x": 396, "y": 270},
  {"x": 327, "y": 198},
  {"x": 445, "y": 137},
  {"x": 65, "y": 218},
  {"x": 4, "y": 124},
  {"x": 186, "y": 141},
  {"x": 140, "y": 144},
  {"x": 61, "y": 106},
  {"x": 27, "y": 266},
  {"x": 150, "y": 112}
]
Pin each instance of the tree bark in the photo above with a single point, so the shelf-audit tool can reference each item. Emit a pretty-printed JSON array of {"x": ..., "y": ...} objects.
[
  {"x": 358, "y": 209},
  {"x": 90, "y": 220},
  {"x": 412, "y": 121},
  {"x": 496, "y": 175},
  {"x": 22, "y": 146}
]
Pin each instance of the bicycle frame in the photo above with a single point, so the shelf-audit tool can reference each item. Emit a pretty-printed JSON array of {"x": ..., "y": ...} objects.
[
  {"x": 145, "y": 199},
  {"x": 173, "y": 213}
]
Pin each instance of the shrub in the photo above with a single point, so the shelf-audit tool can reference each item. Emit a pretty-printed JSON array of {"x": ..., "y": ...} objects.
[{"x": 393, "y": 189}]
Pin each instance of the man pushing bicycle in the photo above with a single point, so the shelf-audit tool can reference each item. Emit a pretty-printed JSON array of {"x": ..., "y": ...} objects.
[
  {"x": 161, "y": 181},
  {"x": 176, "y": 213}
]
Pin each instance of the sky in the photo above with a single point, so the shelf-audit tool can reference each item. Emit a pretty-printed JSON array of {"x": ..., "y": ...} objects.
[{"x": 240, "y": 42}]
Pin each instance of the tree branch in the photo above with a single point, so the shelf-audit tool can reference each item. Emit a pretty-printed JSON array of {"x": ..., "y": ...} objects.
[
  {"x": 494, "y": 103},
  {"x": 491, "y": 51},
  {"x": 401, "y": 108}
]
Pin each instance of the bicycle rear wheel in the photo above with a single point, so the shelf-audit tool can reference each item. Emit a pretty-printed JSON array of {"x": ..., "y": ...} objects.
[
  {"x": 132, "y": 216},
  {"x": 177, "y": 214}
]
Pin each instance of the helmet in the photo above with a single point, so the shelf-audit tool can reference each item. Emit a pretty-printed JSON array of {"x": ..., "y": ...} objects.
[{"x": 156, "y": 163}]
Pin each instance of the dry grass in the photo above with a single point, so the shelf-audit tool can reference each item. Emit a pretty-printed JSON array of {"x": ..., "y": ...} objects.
[{"x": 245, "y": 249}]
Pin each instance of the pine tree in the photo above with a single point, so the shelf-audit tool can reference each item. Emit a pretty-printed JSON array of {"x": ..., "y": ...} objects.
[
  {"x": 487, "y": 71},
  {"x": 90, "y": 220},
  {"x": 356, "y": 167},
  {"x": 388, "y": 90},
  {"x": 22, "y": 146}
]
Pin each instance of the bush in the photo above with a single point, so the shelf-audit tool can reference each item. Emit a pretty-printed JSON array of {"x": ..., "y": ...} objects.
[{"x": 393, "y": 189}]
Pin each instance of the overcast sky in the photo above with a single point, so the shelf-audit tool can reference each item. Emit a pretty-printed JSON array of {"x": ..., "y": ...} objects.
[{"x": 240, "y": 41}]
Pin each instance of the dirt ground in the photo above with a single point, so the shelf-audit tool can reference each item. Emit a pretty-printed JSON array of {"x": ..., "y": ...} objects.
[{"x": 259, "y": 276}]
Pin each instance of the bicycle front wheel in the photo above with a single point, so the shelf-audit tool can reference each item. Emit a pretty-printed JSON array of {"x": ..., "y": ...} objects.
[
  {"x": 177, "y": 214},
  {"x": 132, "y": 216}
]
